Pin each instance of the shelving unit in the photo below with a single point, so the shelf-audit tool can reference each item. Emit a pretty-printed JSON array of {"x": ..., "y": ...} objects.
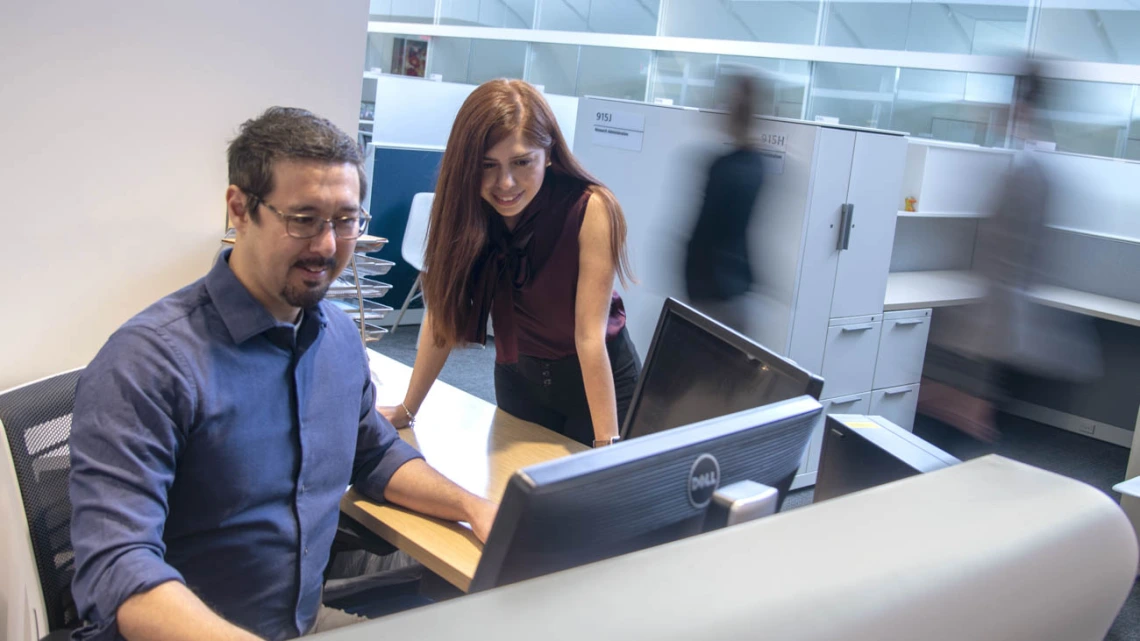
[
  {"x": 951, "y": 180},
  {"x": 355, "y": 284},
  {"x": 953, "y": 186}
]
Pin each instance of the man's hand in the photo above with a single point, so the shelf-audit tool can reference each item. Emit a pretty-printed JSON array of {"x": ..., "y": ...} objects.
[
  {"x": 418, "y": 487},
  {"x": 481, "y": 516}
]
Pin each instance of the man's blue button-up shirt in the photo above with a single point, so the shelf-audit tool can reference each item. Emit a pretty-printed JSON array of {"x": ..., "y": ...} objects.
[{"x": 211, "y": 444}]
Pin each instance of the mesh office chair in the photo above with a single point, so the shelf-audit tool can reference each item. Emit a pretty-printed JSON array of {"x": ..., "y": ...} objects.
[{"x": 36, "y": 418}]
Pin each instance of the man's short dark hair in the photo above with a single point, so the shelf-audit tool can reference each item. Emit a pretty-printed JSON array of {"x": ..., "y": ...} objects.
[{"x": 286, "y": 133}]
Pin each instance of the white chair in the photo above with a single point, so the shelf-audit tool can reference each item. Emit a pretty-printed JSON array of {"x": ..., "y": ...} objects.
[{"x": 412, "y": 249}]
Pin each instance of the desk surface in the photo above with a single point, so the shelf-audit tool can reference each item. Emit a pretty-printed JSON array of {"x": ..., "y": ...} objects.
[
  {"x": 919, "y": 290},
  {"x": 1113, "y": 309},
  {"x": 469, "y": 441}
]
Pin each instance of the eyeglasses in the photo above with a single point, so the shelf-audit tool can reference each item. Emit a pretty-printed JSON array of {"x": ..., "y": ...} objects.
[{"x": 306, "y": 226}]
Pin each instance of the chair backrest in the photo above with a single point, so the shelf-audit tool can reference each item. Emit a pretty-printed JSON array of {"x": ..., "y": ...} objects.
[
  {"x": 415, "y": 234},
  {"x": 37, "y": 422}
]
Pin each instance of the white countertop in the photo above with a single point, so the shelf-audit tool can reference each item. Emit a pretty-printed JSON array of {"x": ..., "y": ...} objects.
[{"x": 918, "y": 290}]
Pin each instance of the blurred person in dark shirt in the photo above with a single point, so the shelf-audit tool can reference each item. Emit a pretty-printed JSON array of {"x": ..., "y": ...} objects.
[{"x": 718, "y": 268}]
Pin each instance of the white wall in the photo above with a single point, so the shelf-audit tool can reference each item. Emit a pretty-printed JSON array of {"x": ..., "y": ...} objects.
[{"x": 115, "y": 123}]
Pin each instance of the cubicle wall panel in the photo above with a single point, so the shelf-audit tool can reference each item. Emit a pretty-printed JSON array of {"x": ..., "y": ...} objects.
[
  {"x": 398, "y": 175},
  {"x": 1091, "y": 194},
  {"x": 1087, "y": 263},
  {"x": 962, "y": 180},
  {"x": 929, "y": 244},
  {"x": 876, "y": 179}
]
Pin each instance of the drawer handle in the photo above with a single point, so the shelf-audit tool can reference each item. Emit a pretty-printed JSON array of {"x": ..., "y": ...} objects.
[
  {"x": 896, "y": 392},
  {"x": 845, "y": 401},
  {"x": 909, "y": 321},
  {"x": 857, "y": 328}
]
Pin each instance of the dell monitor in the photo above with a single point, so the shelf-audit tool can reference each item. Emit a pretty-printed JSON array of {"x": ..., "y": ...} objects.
[
  {"x": 697, "y": 368},
  {"x": 637, "y": 494}
]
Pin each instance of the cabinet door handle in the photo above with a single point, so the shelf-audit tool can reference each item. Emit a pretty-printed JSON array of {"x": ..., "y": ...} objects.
[
  {"x": 909, "y": 321},
  {"x": 856, "y": 328},
  {"x": 896, "y": 392},
  {"x": 846, "y": 216},
  {"x": 844, "y": 401}
]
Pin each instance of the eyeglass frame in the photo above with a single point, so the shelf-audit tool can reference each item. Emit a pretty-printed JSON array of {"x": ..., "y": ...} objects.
[{"x": 365, "y": 217}]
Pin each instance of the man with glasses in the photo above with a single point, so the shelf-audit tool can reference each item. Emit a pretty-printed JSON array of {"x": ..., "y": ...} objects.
[{"x": 215, "y": 432}]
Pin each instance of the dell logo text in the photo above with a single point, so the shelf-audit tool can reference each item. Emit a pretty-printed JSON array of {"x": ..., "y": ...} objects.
[{"x": 704, "y": 478}]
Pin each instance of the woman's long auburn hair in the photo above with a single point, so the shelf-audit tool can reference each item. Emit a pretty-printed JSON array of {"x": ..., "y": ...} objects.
[{"x": 457, "y": 231}]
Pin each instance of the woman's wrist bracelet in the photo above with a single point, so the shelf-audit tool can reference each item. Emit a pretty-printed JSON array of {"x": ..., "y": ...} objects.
[{"x": 411, "y": 416}]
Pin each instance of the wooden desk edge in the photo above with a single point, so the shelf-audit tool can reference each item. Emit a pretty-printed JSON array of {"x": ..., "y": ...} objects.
[{"x": 350, "y": 504}]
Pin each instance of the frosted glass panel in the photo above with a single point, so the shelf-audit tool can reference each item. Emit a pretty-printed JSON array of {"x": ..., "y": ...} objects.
[
  {"x": 993, "y": 27},
  {"x": 686, "y": 79},
  {"x": 402, "y": 10},
  {"x": 495, "y": 59},
  {"x": 509, "y": 14},
  {"x": 613, "y": 72},
  {"x": 637, "y": 17},
  {"x": 1086, "y": 117},
  {"x": 784, "y": 87},
  {"x": 958, "y": 107},
  {"x": 555, "y": 67},
  {"x": 788, "y": 21},
  {"x": 1093, "y": 30},
  {"x": 449, "y": 58},
  {"x": 857, "y": 95}
]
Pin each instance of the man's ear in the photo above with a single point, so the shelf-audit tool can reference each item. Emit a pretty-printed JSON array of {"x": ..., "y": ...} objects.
[{"x": 236, "y": 208}]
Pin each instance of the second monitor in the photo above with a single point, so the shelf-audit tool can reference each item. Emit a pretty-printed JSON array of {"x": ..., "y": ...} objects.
[{"x": 697, "y": 369}]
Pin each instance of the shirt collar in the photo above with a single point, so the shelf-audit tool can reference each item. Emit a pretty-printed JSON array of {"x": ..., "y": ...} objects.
[{"x": 242, "y": 314}]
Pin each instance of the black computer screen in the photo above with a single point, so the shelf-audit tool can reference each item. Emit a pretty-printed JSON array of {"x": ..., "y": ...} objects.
[{"x": 697, "y": 369}]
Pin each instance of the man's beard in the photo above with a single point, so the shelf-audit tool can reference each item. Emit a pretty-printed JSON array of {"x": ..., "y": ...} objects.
[{"x": 306, "y": 297}]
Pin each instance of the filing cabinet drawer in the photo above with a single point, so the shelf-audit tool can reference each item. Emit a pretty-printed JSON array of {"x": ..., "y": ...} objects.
[
  {"x": 849, "y": 355},
  {"x": 896, "y": 404},
  {"x": 902, "y": 348}
]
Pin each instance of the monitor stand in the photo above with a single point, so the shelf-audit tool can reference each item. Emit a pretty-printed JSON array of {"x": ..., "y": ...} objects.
[{"x": 739, "y": 503}]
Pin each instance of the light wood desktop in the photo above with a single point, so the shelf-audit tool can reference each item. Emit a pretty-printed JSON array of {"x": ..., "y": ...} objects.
[{"x": 469, "y": 441}]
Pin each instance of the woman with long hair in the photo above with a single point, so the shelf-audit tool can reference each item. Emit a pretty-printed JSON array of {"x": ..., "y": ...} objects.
[{"x": 521, "y": 233}]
